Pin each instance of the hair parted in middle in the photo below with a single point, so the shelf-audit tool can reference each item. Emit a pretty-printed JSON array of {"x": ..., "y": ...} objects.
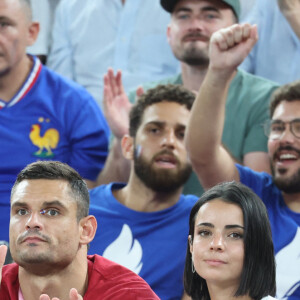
[
  {"x": 258, "y": 273},
  {"x": 161, "y": 93}
]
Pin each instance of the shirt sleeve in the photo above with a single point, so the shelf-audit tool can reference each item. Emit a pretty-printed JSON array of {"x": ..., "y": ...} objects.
[
  {"x": 60, "y": 56},
  {"x": 88, "y": 136}
]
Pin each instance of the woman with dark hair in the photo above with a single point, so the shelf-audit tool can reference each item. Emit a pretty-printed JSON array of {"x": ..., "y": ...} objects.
[{"x": 230, "y": 251}]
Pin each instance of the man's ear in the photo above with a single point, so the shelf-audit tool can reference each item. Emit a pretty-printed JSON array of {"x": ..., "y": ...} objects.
[
  {"x": 88, "y": 226},
  {"x": 127, "y": 144},
  {"x": 33, "y": 32},
  {"x": 169, "y": 33}
]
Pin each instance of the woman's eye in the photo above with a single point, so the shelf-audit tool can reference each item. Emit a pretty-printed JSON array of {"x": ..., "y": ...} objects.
[
  {"x": 204, "y": 233},
  {"x": 236, "y": 235}
]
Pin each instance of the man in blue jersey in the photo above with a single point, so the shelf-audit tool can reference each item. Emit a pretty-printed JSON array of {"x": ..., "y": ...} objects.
[
  {"x": 42, "y": 115},
  {"x": 144, "y": 224},
  {"x": 213, "y": 164}
]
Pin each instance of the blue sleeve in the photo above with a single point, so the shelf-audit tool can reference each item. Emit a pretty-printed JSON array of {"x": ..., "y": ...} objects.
[
  {"x": 259, "y": 182},
  {"x": 88, "y": 138}
]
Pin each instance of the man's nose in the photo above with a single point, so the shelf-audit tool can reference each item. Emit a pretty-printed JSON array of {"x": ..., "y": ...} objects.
[
  {"x": 196, "y": 24},
  {"x": 169, "y": 139},
  {"x": 34, "y": 220},
  {"x": 287, "y": 136}
]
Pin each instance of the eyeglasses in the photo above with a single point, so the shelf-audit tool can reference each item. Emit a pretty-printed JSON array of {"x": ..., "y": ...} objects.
[{"x": 275, "y": 128}]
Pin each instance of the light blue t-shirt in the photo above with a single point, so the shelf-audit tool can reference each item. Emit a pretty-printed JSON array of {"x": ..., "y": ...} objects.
[{"x": 276, "y": 55}]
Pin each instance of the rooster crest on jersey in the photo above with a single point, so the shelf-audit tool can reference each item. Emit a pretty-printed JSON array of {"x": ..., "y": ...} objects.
[{"x": 45, "y": 142}]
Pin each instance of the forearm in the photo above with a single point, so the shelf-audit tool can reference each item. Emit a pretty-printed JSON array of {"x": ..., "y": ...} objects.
[
  {"x": 209, "y": 105},
  {"x": 116, "y": 168}
]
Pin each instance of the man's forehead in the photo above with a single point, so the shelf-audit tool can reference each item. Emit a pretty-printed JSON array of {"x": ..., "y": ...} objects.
[
  {"x": 287, "y": 110},
  {"x": 165, "y": 111},
  {"x": 40, "y": 190}
]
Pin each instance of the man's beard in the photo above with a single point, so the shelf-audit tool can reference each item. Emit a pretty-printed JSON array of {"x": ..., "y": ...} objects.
[
  {"x": 288, "y": 185},
  {"x": 163, "y": 180},
  {"x": 194, "y": 57}
]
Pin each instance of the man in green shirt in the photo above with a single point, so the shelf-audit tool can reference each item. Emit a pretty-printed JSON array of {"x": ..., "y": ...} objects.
[{"x": 192, "y": 24}]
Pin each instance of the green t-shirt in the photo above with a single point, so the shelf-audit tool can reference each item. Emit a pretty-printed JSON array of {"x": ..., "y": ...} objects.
[{"x": 247, "y": 108}]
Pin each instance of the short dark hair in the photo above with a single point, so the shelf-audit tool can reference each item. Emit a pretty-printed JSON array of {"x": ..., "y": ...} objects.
[
  {"x": 161, "y": 93},
  {"x": 54, "y": 170},
  {"x": 289, "y": 92},
  {"x": 258, "y": 274}
]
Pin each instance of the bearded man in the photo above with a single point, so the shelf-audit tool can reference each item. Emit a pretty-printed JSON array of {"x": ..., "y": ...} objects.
[{"x": 145, "y": 222}]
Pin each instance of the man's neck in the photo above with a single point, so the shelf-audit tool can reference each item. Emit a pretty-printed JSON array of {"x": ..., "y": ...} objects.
[
  {"x": 135, "y": 195},
  {"x": 292, "y": 201},
  {"x": 11, "y": 82},
  {"x": 193, "y": 76},
  {"x": 55, "y": 283}
]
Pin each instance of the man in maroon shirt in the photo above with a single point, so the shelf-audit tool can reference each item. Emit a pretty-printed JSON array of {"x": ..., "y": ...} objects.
[{"x": 50, "y": 230}]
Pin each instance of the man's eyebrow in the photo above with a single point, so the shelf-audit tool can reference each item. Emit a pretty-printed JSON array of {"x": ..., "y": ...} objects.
[
  {"x": 184, "y": 9},
  {"x": 56, "y": 203},
  {"x": 44, "y": 204},
  {"x": 158, "y": 123},
  {"x": 280, "y": 121},
  {"x": 210, "y": 8},
  {"x": 19, "y": 204},
  {"x": 7, "y": 19}
]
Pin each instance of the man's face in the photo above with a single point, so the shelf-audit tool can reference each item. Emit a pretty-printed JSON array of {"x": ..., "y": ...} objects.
[
  {"x": 285, "y": 152},
  {"x": 43, "y": 224},
  {"x": 15, "y": 34},
  {"x": 192, "y": 24},
  {"x": 160, "y": 158}
]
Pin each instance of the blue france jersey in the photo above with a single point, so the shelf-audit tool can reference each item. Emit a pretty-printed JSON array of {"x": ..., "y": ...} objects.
[
  {"x": 151, "y": 244},
  {"x": 49, "y": 118},
  {"x": 285, "y": 226}
]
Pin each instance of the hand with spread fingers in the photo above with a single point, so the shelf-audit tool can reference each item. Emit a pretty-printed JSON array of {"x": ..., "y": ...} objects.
[
  {"x": 73, "y": 296},
  {"x": 3, "y": 251},
  {"x": 116, "y": 105},
  {"x": 230, "y": 46}
]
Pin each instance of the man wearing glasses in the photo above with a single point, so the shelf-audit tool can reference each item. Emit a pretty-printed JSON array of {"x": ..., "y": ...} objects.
[{"x": 212, "y": 163}]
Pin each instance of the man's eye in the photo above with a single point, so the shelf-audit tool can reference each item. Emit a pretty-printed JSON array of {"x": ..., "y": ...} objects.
[
  {"x": 50, "y": 212},
  {"x": 154, "y": 130},
  {"x": 277, "y": 128},
  {"x": 3, "y": 24},
  {"x": 183, "y": 16},
  {"x": 22, "y": 212}
]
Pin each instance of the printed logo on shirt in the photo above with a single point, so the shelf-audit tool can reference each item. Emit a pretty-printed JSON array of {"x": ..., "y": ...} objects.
[
  {"x": 46, "y": 141},
  {"x": 126, "y": 251},
  {"x": 287, "y": 268}
]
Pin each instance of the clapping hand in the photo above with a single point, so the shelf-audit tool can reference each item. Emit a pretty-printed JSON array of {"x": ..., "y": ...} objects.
[
  {"x": 3, "y": 251},
  {"x": 72, "y": 296}
]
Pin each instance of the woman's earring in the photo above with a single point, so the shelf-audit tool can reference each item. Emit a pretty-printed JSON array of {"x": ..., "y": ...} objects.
[{"x": 193, "y": 267}]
